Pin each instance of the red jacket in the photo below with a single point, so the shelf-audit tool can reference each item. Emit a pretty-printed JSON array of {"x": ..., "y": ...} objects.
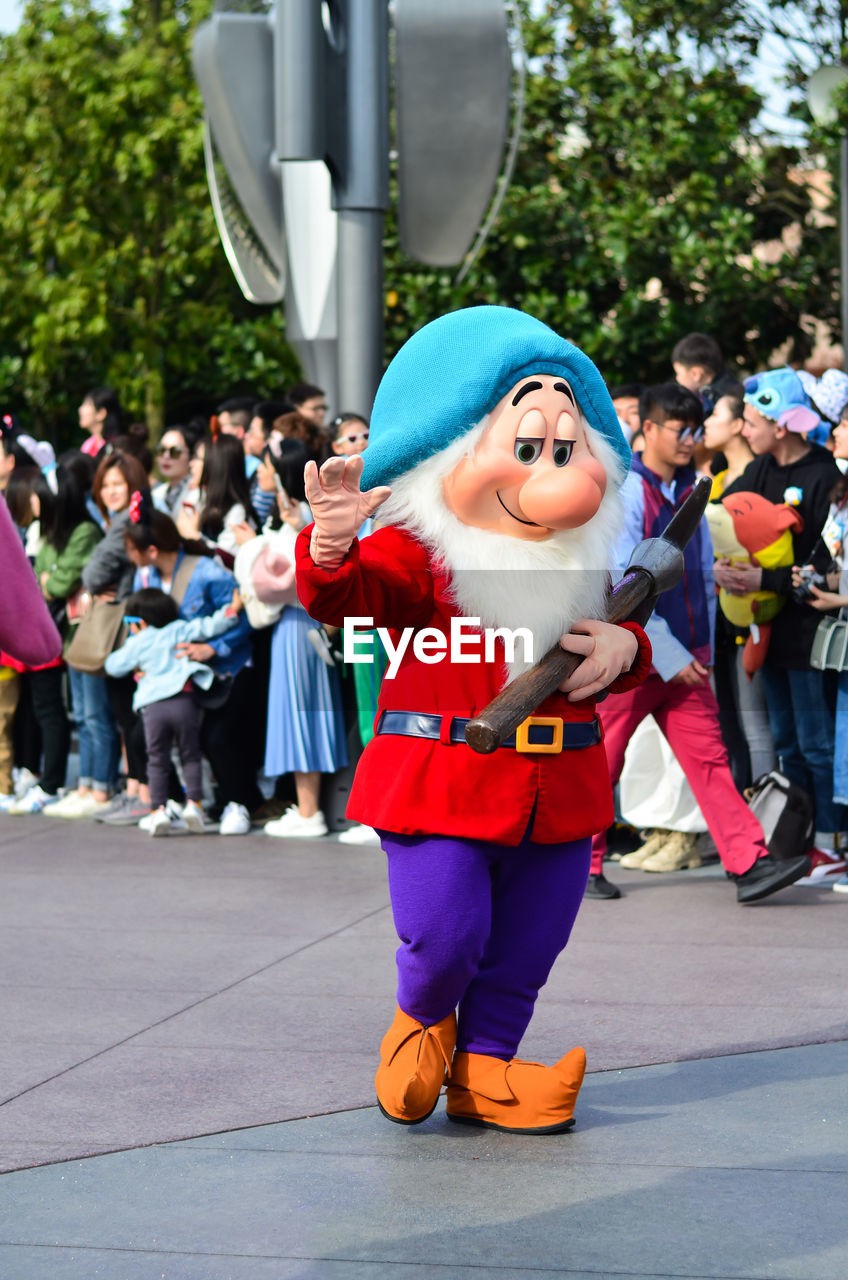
[{"x": 419, "y": 786}]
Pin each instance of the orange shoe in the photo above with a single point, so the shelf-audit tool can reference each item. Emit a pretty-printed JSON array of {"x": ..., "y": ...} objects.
[
  {"x": 515, "y": 1096},
  {"x": 414, "y": 1060}
]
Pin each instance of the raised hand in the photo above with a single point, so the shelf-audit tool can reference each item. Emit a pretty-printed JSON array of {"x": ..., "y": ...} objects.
[{"x": 338, "y": 507}]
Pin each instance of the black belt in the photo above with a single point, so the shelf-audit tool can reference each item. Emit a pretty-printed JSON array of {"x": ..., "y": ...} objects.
[{"x": 556, "y": 734}]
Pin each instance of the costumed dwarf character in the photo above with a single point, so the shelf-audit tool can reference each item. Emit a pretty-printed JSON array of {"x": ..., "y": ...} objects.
[{"x": 504, "y": 456}]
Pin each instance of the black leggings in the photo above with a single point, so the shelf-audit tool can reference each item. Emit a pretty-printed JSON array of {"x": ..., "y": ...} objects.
[
  {"x": 231, "y": 738},
  {"x": 121, "y": 693},
  {"x": 48, "y": 706}
]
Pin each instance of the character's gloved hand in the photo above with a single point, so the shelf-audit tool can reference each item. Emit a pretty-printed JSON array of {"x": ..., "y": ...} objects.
[
  {"x": 608, "y": 651},
  {"x": 338, "y": 507}
]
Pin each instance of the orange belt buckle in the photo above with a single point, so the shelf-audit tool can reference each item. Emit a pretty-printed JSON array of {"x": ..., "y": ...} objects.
[{"x": 522, "y": 735}]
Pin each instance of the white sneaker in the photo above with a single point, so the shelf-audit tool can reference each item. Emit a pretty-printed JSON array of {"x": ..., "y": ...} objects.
[
  {"x": 73, "y": 805},
  {"x": 358, "y": 835},
  {"x": 193, "y": 817},
  {"x": 34, "y": 801},
  {"x": 171, "y": 811},
  {"x": 235, "y": 820},
  {"x": 293, "y": 823},
  {"x": 158, "y": 823},
  {"x": 22, "y": 780}
]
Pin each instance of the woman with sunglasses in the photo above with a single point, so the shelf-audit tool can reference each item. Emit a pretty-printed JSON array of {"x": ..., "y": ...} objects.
[{"x": 173, "y": 455}]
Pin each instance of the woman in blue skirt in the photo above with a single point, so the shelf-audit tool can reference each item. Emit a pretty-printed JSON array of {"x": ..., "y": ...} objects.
[{"x": 306, "y": 731}]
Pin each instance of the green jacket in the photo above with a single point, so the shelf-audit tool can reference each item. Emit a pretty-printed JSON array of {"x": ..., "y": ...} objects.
[{"x": 65, "y": 567}]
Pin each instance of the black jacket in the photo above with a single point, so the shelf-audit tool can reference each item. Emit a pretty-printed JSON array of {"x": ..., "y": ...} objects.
[{"x": 815, "y": 475}]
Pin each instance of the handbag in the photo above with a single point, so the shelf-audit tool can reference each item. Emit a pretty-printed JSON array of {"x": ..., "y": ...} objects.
[
  {"x": 95, "y": 636},
  {"x": 830, "y": 644},
  {"x": 785, "y": 813}
]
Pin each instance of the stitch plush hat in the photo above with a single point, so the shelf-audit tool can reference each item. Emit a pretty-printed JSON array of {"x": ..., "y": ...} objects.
[
  {"x": 779, "y": 394},
  {"x": 451, "y": 373}
]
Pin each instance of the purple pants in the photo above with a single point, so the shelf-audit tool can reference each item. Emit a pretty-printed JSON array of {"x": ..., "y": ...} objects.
[
  {"x": 173, "y": 720},
  {"x": 480, "y": 927}
]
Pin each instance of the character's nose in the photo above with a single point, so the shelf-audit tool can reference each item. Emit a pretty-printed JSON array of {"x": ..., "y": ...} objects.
[{"x": 564, "y": 497}]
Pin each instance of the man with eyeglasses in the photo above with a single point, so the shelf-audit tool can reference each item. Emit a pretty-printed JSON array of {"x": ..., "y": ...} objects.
[
  {"x": 677, "y": 692},
  {"x": 310, "y": 401}
]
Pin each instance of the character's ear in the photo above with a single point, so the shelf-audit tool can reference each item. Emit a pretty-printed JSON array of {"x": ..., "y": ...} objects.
[{"x": 798, "y": 419}]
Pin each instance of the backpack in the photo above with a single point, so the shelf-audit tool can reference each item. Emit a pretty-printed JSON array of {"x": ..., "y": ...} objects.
[{"x": 785, "y": 812}]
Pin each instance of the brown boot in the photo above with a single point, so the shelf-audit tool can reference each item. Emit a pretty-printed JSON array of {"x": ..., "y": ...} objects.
[
  {"x": 516, "y": 1096},
  {"x": 413, "y": 1062}
]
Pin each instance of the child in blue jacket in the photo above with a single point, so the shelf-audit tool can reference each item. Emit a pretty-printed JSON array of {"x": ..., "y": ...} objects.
[{"x": 164, "y": 694}]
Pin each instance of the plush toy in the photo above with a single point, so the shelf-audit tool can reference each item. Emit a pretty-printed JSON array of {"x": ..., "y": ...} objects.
[
  {"x": 747, "y": 528},
  {"x": 504, "y": 456}
]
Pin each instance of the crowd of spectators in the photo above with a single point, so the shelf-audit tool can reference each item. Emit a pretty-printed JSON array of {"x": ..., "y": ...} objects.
[{"x": 218, "y": 704}]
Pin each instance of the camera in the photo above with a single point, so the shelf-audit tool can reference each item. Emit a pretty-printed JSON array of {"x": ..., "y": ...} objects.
[{"x": 809, "y": 577}]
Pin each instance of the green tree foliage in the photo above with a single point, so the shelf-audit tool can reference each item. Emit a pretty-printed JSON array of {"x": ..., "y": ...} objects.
[
  {"x": 641, "y": 191},
  {"x": 111, "y": 271}
]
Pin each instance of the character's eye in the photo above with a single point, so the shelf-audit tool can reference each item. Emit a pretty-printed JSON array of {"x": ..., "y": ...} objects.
[
  {"x": 563, "y": 450},
  {"x": 767, "y": 398},
  {"x": 527, "y": 450}
]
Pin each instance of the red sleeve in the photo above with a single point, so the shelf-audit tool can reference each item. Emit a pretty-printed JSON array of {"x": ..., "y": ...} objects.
[
  {"x": 641, "y": 663},
  {"x": 386, "y": 577}
]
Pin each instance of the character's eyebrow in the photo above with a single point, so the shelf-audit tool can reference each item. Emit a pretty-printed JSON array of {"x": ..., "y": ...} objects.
[
  {"x": 561, "y": 386},
  {"x": 522, "y": 391}
]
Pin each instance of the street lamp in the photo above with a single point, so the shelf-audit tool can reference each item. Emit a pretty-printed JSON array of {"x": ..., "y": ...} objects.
[{"x": 820, "y": 88}]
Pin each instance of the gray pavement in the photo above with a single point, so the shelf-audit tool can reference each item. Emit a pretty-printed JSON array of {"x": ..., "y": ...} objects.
[{"x": 223, "y": 999}]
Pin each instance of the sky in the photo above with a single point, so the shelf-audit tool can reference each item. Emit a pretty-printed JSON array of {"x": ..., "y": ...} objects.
[{"x": 9, "y": 14}]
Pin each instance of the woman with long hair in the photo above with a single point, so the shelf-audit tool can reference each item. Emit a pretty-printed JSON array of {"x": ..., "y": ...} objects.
[
  {"x": 107, "y": 576},
  {"x": 158, "y": 551},
  {"x": 305, "y": 726},
  {"x": 224, "y": 497}
]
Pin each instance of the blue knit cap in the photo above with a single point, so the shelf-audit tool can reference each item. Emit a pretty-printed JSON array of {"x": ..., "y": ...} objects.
[{"x": 451, "y": 373}]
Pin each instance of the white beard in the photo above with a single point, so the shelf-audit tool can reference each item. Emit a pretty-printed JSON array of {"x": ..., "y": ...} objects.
[{"x": 509, "y": 582}]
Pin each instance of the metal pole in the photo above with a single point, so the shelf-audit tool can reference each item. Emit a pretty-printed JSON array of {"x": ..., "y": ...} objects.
[
  {"x": 360, "y": 308},
  {"x": 843, "y": 243},
  {"x": 361, "y": 195}
]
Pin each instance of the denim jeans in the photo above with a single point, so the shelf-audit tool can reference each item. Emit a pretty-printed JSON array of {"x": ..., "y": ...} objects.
[
  {"x": 802, "y": 725},
  {"x": 840, "y": 752},
  {"x": 99, "y": 744}
]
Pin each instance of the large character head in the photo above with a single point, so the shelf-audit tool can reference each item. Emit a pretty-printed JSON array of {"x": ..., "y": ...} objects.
[
  {"x": 521, "y": 419},
  {"x": 504, "y": 454}
]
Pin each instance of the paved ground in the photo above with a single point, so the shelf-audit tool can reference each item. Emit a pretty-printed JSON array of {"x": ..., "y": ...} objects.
[{"x": 152, "y": 991}]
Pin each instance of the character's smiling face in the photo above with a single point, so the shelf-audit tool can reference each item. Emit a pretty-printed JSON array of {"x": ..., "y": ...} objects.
[{"x": 532, "y": 471}]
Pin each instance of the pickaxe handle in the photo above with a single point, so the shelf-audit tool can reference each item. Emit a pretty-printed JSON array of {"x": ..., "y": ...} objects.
[{"x": 655, "y": 565}]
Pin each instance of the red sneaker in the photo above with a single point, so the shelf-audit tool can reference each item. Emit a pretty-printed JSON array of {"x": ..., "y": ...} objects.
[{"x": 826, "y": 865}]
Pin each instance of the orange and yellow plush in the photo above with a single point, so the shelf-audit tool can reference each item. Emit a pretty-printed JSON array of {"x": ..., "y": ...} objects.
[{"x": 748, "y": 529}]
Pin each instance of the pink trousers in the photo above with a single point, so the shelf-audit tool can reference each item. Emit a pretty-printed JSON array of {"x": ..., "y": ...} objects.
[{"x": 688, "y": 716}]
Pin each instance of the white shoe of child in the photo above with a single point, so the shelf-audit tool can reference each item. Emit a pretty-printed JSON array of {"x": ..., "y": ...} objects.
[
  {"x": 193, "y": 817},
  {"x": 172, "y": 812}
]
